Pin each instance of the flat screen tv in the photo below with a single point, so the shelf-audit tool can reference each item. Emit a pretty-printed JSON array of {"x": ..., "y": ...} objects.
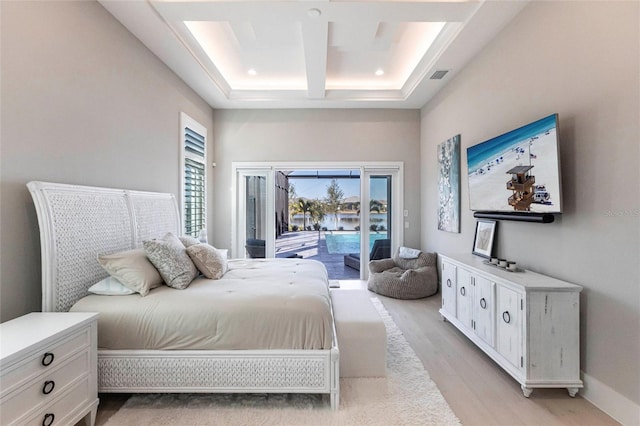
[{"x": 518, "y": 171}]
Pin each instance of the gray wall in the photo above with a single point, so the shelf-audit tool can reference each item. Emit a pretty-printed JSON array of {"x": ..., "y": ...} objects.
[
  {"x": 581, "y": 60},
  {"x": 83, "y": 101},
  {"x": 315, "y": 135}
]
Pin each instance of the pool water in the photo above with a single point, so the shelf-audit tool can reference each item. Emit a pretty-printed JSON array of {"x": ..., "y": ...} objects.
[{"x": 344, "y": 243}]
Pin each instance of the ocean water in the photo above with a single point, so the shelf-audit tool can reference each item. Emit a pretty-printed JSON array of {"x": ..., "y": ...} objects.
[
  {"x": 482, "y": 153},
  {"x": 349, "y": 242}
]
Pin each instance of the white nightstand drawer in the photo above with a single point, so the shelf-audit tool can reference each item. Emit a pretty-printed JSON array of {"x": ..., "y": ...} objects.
[
  {"x": 46, "y": 388},
  {"x": 59, "y": 411},
  {"x": 67, "y": 343},
  {"x": 54, "y": 355}
]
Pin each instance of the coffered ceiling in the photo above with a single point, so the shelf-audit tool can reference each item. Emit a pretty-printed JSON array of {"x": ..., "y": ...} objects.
[{"x": 315, "y": 54}]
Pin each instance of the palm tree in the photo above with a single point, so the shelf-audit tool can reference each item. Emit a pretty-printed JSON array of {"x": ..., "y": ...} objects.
[
  {"x": 293, "y": 207},
  {"x": 375, "y": 206},
  {"x": 302, "y": 205},
  {"x": 317, "y": 213}
]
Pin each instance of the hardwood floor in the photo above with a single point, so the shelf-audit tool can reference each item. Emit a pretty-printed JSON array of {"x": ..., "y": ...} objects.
[{"x": 478, "y": 391}]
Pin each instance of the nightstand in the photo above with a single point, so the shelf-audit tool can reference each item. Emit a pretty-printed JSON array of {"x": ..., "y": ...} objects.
[{"x": 48, "y": 369}]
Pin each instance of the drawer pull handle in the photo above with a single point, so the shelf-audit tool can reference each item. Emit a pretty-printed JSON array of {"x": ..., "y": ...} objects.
[
  {"x": 48, "y": 387},
  {"x": 48, "y": 419},
  {"x": 448, "y": 282},
  {"x": 463, "y": 291},
  {"x": 506, "y": 317},
  {"x": 47, "y": 359},
  {"x": 483, "y": 303}
]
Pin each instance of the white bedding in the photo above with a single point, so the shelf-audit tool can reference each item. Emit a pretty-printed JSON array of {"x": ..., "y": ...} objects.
[{"x": 258, "y": 304}]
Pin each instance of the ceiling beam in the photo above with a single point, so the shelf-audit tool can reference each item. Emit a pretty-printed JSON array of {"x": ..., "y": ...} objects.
[
  {"x": 385, "y": 11},
  {"x": 315, "y": 34}
]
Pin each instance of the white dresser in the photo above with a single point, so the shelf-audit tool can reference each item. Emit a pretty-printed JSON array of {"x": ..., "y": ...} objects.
[
  {"x": 48, "y": 369},
  {"x": 526, "y": 322}
]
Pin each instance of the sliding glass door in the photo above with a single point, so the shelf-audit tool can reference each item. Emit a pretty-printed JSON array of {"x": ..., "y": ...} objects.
[
  {"x": 254, "y": 201},
  {"x": 371, "y": 221},
  {"x": 381, "y": 229},
  {"x": 380, "y": 225}
]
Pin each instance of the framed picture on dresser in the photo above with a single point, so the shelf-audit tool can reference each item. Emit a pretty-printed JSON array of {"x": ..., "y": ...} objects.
[{"x": 484, "y": 236}]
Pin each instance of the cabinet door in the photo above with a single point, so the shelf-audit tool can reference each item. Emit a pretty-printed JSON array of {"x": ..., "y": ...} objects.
[
  {"x": 509, "y": 325},
  {"x": 484, "y": 308},
  {"x": 463, "y": 297},
  {"x": 449, "y": 287}
]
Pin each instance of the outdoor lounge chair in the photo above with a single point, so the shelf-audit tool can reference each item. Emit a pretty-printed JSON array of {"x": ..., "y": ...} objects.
[
  {"x": 381, "y": 250},
  {"x": 255, "y": 248}
]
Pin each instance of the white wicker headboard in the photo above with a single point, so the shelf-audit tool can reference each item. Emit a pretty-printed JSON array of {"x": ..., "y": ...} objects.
[{"x": 79, "y": 222}]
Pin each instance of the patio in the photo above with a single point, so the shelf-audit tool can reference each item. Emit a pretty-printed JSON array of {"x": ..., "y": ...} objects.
[{"x": 312, "y": 245}]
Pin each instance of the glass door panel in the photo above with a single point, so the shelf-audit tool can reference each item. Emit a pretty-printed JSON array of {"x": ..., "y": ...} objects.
[
  {"x": 381, "y": 215},
  {"x": 256, "y": 211},
  {"x": 254, "y": 238},
  {"x": 380, "y": 210}
]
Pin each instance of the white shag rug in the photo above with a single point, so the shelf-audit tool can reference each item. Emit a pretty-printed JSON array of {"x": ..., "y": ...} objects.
[{"x": 407, "y": 396}]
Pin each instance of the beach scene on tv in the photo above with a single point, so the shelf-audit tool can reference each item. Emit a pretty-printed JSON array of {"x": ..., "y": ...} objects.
[{"x": 517, "y": 171}]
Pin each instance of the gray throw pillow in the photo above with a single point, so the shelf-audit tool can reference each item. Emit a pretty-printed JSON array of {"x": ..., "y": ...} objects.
[
  {"x": 188, "y": 240},
  {"x": 170, "y": 257},
  {"x": 208, "y": 260}
]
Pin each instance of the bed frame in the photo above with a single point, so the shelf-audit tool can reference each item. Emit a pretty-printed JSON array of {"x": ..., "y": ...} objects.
[{"x": 79, "y": 222}]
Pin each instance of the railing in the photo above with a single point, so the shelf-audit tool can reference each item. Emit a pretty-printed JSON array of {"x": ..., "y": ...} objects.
[{"x": 514, "y": 185}]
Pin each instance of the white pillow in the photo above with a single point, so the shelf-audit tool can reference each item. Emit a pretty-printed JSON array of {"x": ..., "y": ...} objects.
[
  {"x": 408, "y": 253},
  {"x": 209, "y": 260},
  {"x": 110, "y": 286}
]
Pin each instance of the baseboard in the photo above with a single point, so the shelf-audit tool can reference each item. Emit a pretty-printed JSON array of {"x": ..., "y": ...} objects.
[{"x": 611, "y": 402}]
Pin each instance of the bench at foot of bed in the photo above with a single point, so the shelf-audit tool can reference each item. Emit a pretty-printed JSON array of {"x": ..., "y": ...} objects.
[{"x": 362, "y": 336}]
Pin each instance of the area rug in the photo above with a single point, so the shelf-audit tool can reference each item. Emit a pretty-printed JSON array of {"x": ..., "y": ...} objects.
[{"x": 407, "y": 396}]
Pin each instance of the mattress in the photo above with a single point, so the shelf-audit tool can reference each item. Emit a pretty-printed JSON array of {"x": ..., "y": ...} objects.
[{"x": 257, "y": 304}]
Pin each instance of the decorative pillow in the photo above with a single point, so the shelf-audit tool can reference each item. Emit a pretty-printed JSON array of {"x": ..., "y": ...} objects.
[
  {"x": 188, "y": 240},
  {"x": 132, "y": 269},
  {"x": 408, "y": 253},
  {"x": 110, "y": 286},
  {"x": 170, "y": 257},
  {"x": 209, "y": 260}
]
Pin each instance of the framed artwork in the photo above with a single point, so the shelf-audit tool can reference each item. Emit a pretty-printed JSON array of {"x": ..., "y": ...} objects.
[
  {"x": 449, "y": 185},
  {"x": 483, "y": 241}
]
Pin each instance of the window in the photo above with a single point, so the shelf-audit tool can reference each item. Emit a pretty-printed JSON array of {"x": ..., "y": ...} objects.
[{"x": 193, "y": 138}]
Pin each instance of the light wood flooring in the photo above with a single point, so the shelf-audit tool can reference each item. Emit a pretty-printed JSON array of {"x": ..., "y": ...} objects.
[{"x": 478, "y": 391}]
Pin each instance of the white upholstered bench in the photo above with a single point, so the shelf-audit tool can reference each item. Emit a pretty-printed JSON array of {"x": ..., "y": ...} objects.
[{"x": 362, "y": 336}]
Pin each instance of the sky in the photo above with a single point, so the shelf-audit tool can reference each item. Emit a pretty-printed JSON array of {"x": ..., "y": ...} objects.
[{"x": 317, "y": 188}]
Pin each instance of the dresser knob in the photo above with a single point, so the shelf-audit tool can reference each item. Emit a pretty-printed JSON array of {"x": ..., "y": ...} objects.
[
  {"x": 448, "y": 282},
  {"x": 506, "y": 317},
  {"x": 483, "y": 303},
  {"x": 47, "y": 359},
  {"x": 48, "y": 387},
  {"x": 48, "y": 419},
  {"x": 463, "y": 291}
]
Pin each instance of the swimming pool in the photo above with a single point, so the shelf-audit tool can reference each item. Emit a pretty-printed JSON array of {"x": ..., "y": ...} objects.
[{"x": 344, "y": 243}]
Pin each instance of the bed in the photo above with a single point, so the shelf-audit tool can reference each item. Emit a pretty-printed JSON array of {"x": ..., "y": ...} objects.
[{"x": 77, "y": 223}]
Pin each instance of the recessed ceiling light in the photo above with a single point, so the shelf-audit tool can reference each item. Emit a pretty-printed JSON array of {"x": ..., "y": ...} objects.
[
  {"x": 252, "y": 72},
  {"x": 379, "y": 72},
  {"x": 314, "y": 13}
]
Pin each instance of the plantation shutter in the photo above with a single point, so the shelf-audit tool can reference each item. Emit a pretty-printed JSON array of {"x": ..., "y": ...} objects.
[{"x": 194, "y": 178}]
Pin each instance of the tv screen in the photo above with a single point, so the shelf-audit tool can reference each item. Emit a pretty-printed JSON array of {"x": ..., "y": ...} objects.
[{"x": 518, "y": 171}]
